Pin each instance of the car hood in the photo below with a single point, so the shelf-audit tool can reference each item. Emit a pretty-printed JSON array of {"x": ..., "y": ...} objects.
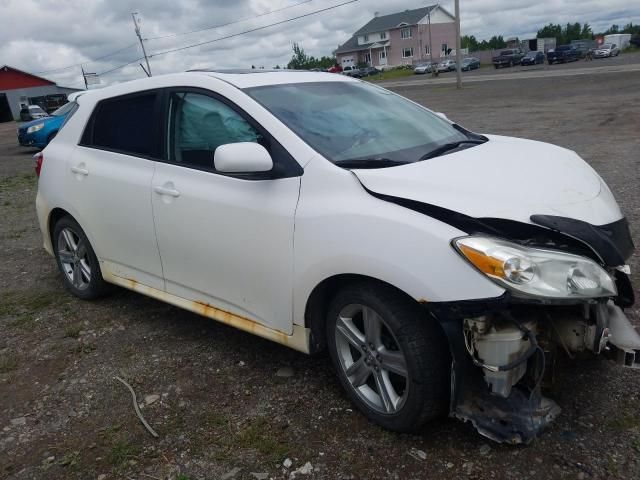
[
  {"x": 37, "y": 121},
  {"x": 506, "y": 178}
]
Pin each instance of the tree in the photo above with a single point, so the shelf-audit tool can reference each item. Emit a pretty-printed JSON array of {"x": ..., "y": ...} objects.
[
  {"x": 586, "y": 32},
  {"x": 299, "y": 60},
  {"x": 470, "y": 42}
]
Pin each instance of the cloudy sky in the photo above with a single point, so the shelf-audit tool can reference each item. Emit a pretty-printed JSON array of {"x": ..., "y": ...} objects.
[{"x": 47, "y": 35}]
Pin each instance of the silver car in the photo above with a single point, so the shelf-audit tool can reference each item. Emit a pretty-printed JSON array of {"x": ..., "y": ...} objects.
[
  {"x": 607, "y": 50},
  {"x": 447, "y": 66},
  {"x": 422, "y": 68}
]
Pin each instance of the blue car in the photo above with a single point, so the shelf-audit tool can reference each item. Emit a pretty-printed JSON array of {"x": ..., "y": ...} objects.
[{"x": 38, "y": 133}]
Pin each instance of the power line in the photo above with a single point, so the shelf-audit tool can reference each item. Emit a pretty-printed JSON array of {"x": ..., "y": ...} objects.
[
  {"x": 229, "y": 23},
  {"x": 171, "y": 36},
  {"x": 227, "y": 36},
  {"x": 251, "y": 30},
  {"x": 88, "y": 61}
]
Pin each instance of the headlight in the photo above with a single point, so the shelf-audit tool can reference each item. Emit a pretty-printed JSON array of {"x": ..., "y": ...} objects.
[
  {"x": 536, "y": 272},
  {"x": 35, "y": 128}
]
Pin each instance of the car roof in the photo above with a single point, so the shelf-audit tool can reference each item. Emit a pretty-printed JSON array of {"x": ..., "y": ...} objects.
[{"x": 258, "y": 77}]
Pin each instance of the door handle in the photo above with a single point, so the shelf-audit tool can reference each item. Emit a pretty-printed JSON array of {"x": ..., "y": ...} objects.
[
  {"x": 166, "y": 191},
  {"x": 80, "y": 171}
]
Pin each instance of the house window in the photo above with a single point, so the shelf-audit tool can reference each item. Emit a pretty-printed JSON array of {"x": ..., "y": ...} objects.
[
  {"x": 407, "y": 52},
  {"x": 405, "y": 32},
  {"x": 445, "y": 49},
  {"x": 427, "y": 50},
  {"x": 366, "y": 38},
  {"x": 382, "y": 54},
  {"x": 367, "y": 57},
  {"x": 383, "y": 35}
]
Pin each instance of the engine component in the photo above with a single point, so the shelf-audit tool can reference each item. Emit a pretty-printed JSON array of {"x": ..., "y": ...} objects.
[{"x": 501, "y": 350}]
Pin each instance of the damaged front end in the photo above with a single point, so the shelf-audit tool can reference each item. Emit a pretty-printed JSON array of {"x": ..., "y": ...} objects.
[{"x": 555, "y": 303}]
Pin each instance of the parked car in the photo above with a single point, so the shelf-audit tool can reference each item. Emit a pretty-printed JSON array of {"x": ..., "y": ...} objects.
[
  {"x": 32, "y": 112},
  {"x": 470, "y": 63},
  {"x": 38, "y": 133},
  {"x": 606, "y": 50},
  {"x": 508, "y": 58},
  {"x": 280, "y": 203},
  {"x": 532, "y": 58},
  {"x": 350, "y": 71},
  {"x": 446, "y": 66},
  {"x": 422, "y": 68},
  {"x": 563, "y": 54},
  {"x": 335, "y": 69},
  {"x": 368, "y": 71}
]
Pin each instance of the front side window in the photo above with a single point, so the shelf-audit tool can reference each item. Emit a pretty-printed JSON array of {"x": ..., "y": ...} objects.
[
  {"x": 407, "y": 52},
  {"x": 198, "y": 124},
  {"x": 405, "y": 32},
  {"x": 124, "y": 124},
  {"x": 352, "y": 121}
]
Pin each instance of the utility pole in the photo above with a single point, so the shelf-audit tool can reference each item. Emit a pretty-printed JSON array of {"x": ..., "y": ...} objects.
[
  {"x": 458, "y": 56},
  {"x": 84, "y": 77},
  {"x": 144, "y": 52}
]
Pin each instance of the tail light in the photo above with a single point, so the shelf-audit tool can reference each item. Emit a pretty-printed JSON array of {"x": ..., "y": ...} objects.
[{"x": 39, "y": 159}]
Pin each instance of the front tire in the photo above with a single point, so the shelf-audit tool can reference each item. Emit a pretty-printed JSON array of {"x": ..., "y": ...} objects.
[
  {"x": 77, "y": 261},
  {"x": 392, "y": 360}
]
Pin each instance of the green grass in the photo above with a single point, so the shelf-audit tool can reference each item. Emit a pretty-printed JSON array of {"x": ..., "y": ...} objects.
[
  {"x": 21, "y": 308},
  {"x": 7, "y": 364},
  {"x": 121, "y": 453},
  {"x": 391, "y": 74},
  {"x": 72, "y": 331},
  {"x": 17, "y": 182},
  {"x": 625, "y": 421}
]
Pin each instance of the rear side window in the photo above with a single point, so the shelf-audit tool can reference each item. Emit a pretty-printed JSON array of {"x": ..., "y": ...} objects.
[{"x": 124, "y": 124}]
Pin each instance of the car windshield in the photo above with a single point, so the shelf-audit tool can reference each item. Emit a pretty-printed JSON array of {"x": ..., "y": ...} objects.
[
  {"x": 357, "y": 121},
  {"x": 506, "y": 52},
  {"x": 563, "y": 47},
  {"x": 36, "y": 109},
  {"x": 531, "y": 54},
  {"x": 63, "y": 110},
  {"x": 606, "y": 46}
]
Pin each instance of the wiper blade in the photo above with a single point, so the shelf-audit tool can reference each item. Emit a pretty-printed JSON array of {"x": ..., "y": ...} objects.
[
  {"x": 369, "y": 163},
  {"x": 450, "y": 146}
]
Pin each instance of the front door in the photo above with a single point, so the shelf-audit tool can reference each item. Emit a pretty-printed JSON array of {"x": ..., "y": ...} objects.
[{"x": 225, "y": 241}]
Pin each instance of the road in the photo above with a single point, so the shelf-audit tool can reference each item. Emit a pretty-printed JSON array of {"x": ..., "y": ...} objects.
[{"x": 620, "y": 64}]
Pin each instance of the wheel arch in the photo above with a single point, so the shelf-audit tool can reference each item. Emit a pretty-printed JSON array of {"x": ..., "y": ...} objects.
[{"x": 317, "y": 303}]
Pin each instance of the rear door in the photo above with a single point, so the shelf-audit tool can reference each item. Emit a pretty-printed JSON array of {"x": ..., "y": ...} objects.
[
  {"x": 225, "y": 240},
  {"x": 108, "y": 181}
]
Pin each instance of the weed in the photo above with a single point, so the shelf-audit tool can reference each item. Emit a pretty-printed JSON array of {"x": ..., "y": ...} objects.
[
  {"x": 17, "y": 182},
  {"x": 70, "y": 459},
  {"x": 72, "y": 331},
  {"x": 625, "y": 421},
  {"x": 182, "y": 476},
  {"x": 259, "y": 435},
  {"x": 636, "y": 444},
  {"x": 7, "y": 364},
  {"x": 121, "y": 453}
]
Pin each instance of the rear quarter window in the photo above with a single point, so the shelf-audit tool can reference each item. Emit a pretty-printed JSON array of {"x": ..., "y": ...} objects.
[{"x": 124, "y": 124}]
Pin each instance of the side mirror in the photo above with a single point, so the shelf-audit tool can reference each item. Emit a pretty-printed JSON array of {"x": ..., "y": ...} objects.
[
  {"x": 242, "y": 157},
  {"x": 443, "y": 116}
]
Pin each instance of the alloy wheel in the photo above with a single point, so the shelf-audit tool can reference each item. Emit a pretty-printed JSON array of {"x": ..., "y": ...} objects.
[
  {"x": 371, "y": 358},
  {"x": 74, "y": 258}
]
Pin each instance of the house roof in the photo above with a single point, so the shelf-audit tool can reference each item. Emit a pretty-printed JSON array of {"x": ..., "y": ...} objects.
[
  {"x": 383, "y": 23},
  {"x": 386, "y": 22}
]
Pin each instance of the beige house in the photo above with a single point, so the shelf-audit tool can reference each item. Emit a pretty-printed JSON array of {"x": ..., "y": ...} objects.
[{"x": 400, "y": 38}]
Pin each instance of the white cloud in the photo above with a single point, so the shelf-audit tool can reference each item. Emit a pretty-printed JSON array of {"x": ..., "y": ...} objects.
[{"x": 41, "y": 35}]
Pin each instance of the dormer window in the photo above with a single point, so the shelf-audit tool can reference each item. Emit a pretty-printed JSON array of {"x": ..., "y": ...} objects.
[
  {"x": 366, "y": 38},
  {"x": 383, "y": 35}
]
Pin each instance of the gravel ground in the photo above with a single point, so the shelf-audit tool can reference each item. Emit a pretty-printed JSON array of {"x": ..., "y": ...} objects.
[{"x": 229, "y": 405}]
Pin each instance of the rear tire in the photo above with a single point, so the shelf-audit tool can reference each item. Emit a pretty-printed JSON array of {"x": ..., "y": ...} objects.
[
  {"x": 392, "y": 359},
  {"x": 77, "y": 261}
]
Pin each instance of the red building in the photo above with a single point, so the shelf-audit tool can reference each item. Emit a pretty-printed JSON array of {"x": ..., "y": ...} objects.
[{"x": 18, "y": 89}]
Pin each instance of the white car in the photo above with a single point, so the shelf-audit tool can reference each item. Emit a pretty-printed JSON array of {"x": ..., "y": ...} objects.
[
  {"x": 441, "y": 268},
  {"x": 606, "y": 50}
]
